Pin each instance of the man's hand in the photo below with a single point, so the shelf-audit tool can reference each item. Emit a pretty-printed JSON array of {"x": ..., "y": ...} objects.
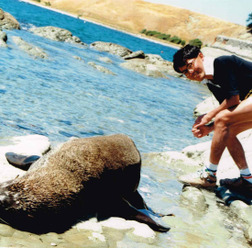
[{"x": 200, "y": 129}]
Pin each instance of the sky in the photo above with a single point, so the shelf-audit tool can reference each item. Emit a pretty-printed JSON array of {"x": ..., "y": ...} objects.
[{"x": 235, "y": 11}]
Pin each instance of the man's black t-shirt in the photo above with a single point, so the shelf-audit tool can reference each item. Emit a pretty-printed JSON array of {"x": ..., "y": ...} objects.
[{"x": 232, "y": 76}]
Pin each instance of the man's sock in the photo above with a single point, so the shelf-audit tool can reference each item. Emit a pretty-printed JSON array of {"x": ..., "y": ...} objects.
[
  {"x": 211, "y": 169},
  {"x": 246, "y": 174}
]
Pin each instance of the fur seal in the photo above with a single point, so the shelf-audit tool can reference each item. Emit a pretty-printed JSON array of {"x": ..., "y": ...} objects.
[{"x": 85, "y": 176}]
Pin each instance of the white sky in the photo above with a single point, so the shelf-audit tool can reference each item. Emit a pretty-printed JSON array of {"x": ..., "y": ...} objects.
[{"x": 235, "y": 11}]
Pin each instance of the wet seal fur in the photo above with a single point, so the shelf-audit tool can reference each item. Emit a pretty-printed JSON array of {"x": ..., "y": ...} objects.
[{"x": 84, "y": 177}]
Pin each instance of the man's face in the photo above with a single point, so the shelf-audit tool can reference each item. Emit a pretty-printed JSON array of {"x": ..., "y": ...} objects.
[{"x": 194, "y": 69}]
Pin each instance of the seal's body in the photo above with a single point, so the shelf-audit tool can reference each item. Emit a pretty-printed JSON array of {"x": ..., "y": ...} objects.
[{"x": 89, "y": 175}]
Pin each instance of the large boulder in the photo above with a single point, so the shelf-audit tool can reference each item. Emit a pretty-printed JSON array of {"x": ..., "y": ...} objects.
[
  {"x": 7, "y": 21},
  {"x": 57, "y": 34},
  {"x": 150, "y": 65},
  {"x": 111, "y": 48}
]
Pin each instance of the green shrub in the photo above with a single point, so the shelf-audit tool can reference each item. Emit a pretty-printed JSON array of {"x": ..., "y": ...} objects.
[
  {"x": 47, "y": 3},
  {"x": 163, "y": 36},
  {"x": 196, "y": 42},
  {"x": 151, "y": 33},
  {"x": 183, "y": 42},
  {"x": 175, "y": 39}
]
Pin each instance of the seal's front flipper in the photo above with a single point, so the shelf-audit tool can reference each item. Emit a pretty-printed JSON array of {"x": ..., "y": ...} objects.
[{"x": 21, "y": 161}]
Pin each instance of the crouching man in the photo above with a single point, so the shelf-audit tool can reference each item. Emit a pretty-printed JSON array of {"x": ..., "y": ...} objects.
[{"x": 229, "y": 78}]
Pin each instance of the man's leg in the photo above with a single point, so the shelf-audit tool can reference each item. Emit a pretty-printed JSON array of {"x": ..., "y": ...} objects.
[{"x": 228, "y": 124}]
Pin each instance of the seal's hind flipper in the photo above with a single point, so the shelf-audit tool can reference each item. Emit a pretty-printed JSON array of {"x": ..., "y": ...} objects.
[
  {"x": 130, "y": 212},
  {"x": 143, "y": 218},
  {"x": 137, "y": 201},
  {"x": 21, "y": 161}
]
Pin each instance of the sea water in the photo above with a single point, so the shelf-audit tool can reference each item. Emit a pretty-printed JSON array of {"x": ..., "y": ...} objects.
[{"x": 61, "y": 97}]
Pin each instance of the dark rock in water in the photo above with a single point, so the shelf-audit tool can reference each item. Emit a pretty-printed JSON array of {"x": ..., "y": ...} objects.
[
  {"x": 57, "y": 34},
  {"x": 111, "y": 48},
  {"x": 134, "y": 55},
  {"x": 97, "y": 175},
  {"x": 3, "y": 36},
  {"x": 7, "y": 21},
  {"x": 3, "y": 39}
]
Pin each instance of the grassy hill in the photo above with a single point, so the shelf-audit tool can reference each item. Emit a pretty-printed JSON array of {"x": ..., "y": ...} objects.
[{"x": 136, "y": 15}]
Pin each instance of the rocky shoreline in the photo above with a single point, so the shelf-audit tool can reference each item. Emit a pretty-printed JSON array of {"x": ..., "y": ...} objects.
[{"x": 112, "y": 232}]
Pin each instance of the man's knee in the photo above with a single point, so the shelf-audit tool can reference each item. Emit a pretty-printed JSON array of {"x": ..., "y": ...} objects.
[{"x": 222, "y": 119}]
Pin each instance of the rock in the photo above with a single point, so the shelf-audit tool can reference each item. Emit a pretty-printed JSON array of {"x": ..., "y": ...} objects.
[
  {"x": 134, "y": 55},
  {"x": 91, "y": 224},
  {"x": 32, "y": 50},
  {"x": 153, "y": 65},
  {"x": 175, "y": 160},
  {"x": 143, "y": 67},
  {"x": 3, "y": 39},
  {"x": 214, "y": 52},
  {"x": 105, "y": 59},
  {"x": 238, "y": 47},
  {"x": 57, "y": 34},
  {"x": 248, "y": 235},
  {"x": 26, "y": 145},
  {"x": 140, "y": 232},
  {"x": 156, "y": 59},
  {"x": 6, "y": 231},
  {"x": 84, "y": 239},
  {"x": 244, "y": 214},
  {"x": 243, "y": 211},
  {"x": 207, "y": 105},
  {"x": 7, "y": 21},
  {"x": 78, "y": 58},
  {"x": 198, "y": 153},
  {"x": 194, "y": 199},
  {"x": 101, "y": 68},
  {"x": 112, "y": 48}
]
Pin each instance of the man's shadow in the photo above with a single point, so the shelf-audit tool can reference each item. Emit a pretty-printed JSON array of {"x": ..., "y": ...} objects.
[{"x": 228, "y": 195}]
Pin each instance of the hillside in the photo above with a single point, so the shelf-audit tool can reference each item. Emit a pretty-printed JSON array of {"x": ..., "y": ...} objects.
[{"x": 136, "y": 15}]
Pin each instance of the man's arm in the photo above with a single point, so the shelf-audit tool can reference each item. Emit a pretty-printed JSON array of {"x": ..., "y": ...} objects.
[
  {"x": 226, "y": 104},
  {"x": 200, "y": 127}
]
